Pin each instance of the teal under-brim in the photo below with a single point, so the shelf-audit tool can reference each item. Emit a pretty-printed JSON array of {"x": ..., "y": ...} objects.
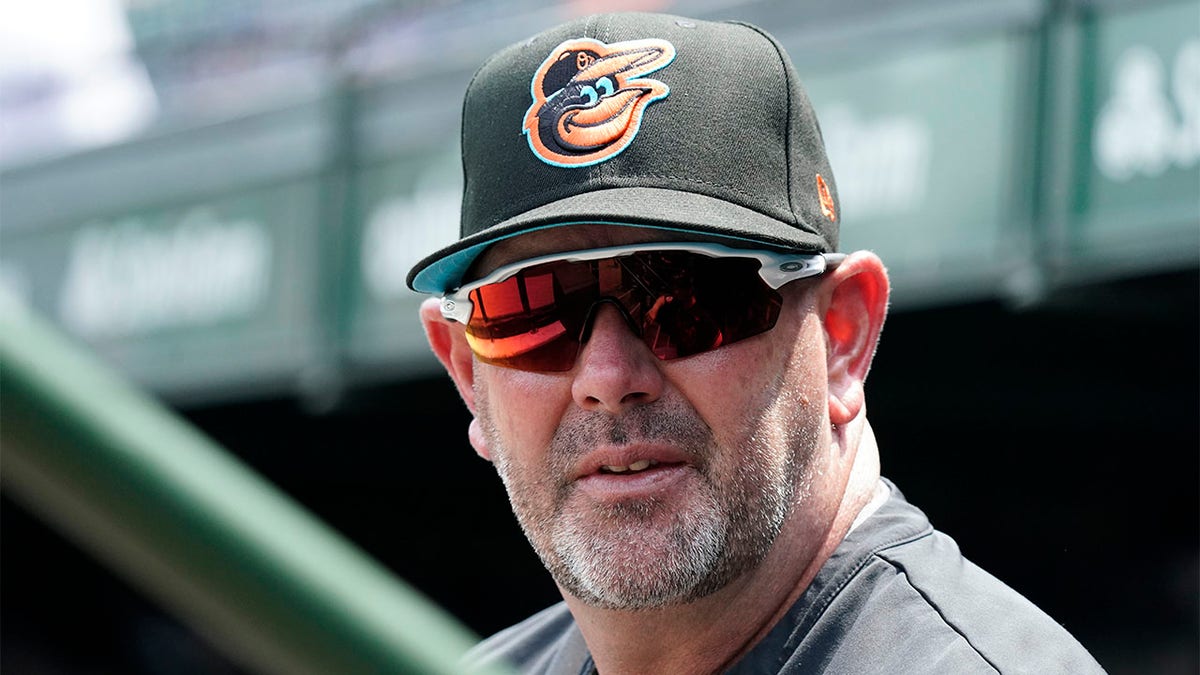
[{"x": 655, "y": 208}]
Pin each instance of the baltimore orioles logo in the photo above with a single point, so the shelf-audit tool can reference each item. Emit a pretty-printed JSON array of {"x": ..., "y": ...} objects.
[{"x": 588, "y": 98}]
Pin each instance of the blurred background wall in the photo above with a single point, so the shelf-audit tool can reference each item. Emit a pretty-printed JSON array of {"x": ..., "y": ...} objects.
[{"x": 222, "y": 199}]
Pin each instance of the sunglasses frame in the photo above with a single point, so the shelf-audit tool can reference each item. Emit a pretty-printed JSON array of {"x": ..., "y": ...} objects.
[{"x": 776, "y": 267}]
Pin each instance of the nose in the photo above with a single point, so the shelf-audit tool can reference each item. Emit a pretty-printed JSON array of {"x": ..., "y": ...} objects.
[{"x": 615, "y": 369}]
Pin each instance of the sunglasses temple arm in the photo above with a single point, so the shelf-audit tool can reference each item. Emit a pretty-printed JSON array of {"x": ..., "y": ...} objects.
[
  {"x": 779, "y": 270},
  {"x": 456, "y": 309}
]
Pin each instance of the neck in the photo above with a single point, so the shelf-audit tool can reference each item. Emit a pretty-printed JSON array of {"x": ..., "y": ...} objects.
[{"x": 712, "y": 633}]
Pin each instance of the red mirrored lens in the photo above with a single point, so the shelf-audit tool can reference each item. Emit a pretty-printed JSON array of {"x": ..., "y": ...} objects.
[{"x": 680, "y": 304}]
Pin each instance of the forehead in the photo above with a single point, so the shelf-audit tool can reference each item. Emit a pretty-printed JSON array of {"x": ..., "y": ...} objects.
[{"x": 573, "y": 238}]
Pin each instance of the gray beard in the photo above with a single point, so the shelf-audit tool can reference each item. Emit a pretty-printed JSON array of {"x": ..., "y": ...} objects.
[{"x": 646, "y": 554}]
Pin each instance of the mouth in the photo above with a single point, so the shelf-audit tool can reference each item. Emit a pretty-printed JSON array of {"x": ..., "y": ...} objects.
[
  {"x": 633, "y": 473},
  {"x": 630, "y": 460}
]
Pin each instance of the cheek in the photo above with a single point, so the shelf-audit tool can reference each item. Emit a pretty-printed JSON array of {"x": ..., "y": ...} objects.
[
  {"x": 776, "y": 379},
  {"x": 524, "y": 408}
]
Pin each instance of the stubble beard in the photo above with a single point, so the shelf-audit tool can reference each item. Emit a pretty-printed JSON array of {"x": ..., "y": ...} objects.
[{"x": 648, "y": 554}]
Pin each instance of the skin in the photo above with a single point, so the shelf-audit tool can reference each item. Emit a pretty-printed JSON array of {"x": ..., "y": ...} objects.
[{"x": 788, "y": 411}]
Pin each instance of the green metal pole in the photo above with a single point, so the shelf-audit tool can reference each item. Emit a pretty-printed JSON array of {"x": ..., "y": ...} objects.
[{"x": 188, "y": 523}]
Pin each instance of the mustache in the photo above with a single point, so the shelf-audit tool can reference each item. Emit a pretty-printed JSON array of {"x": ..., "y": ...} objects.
[{"x": 660, "y": 422}]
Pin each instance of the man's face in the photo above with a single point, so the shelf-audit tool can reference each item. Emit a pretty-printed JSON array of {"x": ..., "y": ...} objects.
[{"x": 643, "y": 483}]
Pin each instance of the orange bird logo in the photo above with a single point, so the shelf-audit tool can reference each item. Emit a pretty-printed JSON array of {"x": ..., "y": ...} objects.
[{"x": 588, "y": 98}]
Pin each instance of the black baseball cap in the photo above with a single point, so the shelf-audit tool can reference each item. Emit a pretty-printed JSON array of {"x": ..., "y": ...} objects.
[{"x": 646, "y": 120}]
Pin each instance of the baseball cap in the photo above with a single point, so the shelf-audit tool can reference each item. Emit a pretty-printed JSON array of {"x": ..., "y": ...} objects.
[{"x": 640, "y": 119}]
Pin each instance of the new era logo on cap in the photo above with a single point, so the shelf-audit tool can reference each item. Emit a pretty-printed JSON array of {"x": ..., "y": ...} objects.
[{"x": 588, "y": 98}]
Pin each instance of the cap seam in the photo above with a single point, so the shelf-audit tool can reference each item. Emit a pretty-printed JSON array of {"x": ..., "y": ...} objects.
[
  {"x": 462, "y": 133},
  {"x": 594, "y": 28},
  {"x": 788, "y": 130}
]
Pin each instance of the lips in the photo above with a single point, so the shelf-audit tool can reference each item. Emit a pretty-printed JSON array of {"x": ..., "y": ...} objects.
[
  {"x": 638, "y": 457},
  {"x": 636, "y": 467},
  {"x": 632, "y": 472}
]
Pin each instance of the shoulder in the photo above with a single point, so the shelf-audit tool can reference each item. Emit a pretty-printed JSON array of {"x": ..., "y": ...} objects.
[
  {"x": 954, "y": 604},
  {"x": 903, "y": 596},
  {"x": 536, "y": 645}
]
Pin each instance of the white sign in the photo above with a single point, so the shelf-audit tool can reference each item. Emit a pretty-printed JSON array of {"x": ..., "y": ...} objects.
[
  {"x": 1149, "y": 122},
  {"x": 401, "y": 231},
  {"x": 125, "y": 277}
]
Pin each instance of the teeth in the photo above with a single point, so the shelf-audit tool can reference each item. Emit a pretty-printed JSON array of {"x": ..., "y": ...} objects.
[{"x": 640, "y": 465}]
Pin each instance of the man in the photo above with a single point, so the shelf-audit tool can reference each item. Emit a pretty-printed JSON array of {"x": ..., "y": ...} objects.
[{"x": 665, "y": 359}]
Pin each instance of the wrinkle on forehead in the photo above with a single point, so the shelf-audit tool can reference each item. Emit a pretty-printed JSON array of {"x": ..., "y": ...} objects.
[{"x": 573, "y": 238}]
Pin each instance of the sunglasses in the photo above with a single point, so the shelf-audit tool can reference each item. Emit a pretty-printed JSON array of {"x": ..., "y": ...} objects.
[{"x": 681, "y": 299}]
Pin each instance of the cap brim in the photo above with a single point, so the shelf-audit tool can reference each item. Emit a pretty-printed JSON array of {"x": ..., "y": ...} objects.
[{"x": 658, "y": 208}]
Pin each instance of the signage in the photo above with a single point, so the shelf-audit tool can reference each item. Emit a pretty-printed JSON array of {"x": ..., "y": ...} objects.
[
  {"x": 922, "y": 147},
  {"x": 190, "y": 300},
  {"x": 134, "y": 276},
  {"x": 410, "y": 208},
  {"x": 1137, "y": 184}
]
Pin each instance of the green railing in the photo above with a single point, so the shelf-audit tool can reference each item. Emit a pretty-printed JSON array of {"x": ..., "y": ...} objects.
[{"x": 186, "y": 522}]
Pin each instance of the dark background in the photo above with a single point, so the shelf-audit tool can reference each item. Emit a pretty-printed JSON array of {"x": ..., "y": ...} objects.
[{"x": 1058, "y": 444}]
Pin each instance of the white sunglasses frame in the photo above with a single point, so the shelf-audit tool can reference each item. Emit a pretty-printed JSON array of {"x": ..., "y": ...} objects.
[{"x": 776, "y": 267}]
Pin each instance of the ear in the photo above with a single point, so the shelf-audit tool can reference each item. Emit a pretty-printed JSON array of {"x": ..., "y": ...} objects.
[
  {"x": 448, "y": 341},
  {"x": 855, "y": 305}
]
